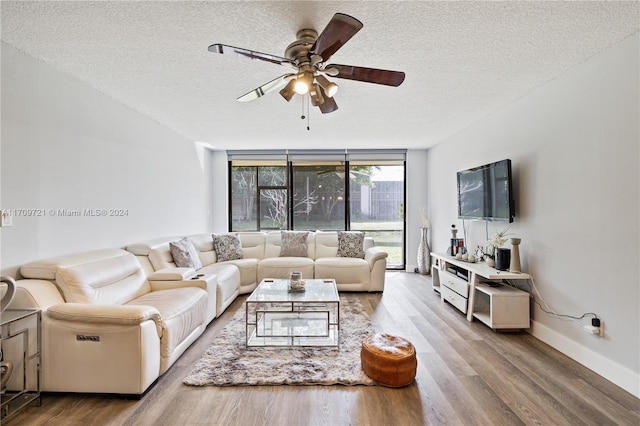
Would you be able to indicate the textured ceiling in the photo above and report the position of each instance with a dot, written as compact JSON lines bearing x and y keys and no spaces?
{"x":462,"y":61}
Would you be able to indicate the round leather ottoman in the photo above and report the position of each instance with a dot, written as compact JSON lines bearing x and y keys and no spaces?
{"x":389,"y":360}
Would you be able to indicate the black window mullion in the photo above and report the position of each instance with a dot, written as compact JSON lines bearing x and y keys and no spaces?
{"x":347,"y":196}
{"x":230,"y":196}
{"x":258,"y":215}
{"x":290,"y":223}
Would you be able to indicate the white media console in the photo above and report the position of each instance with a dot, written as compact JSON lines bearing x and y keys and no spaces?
{"x":477,"y":290}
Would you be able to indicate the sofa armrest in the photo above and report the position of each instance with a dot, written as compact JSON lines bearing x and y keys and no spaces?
{"x":36,"y":294}
{"x":373,"y":255}
{"x":106,"y":314}
{"x":171,"y":274}
{"x":378,"y":264}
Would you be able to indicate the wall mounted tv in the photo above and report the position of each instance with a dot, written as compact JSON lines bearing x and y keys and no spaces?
{"x":486,"y":193}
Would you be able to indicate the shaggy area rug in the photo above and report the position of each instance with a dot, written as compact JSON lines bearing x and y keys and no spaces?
{"x":228,"y":362}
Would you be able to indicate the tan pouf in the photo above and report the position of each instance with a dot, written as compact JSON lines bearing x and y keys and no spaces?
{"x":389,"y":360}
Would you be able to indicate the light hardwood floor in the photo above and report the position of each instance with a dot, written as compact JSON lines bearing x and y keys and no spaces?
{"x":467,"y":375}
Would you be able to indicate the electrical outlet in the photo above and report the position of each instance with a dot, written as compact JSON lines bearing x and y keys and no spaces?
{"x":598,"y":331}
{"x":6,"y":219}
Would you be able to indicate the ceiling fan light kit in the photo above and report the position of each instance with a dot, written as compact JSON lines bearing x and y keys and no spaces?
{"x":316,"y":95}
{"x":289,"y":90}
{"x":309,"y":55}
{"x":329,"y":87}
{"x":303,"y":83}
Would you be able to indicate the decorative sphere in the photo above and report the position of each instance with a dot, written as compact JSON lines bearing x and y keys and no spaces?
{"x":459,"y":256}
{"x":472,"y":258}
{"x":465,"y":256}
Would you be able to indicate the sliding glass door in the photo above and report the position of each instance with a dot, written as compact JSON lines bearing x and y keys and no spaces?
{"x":376,"y":205}
{"x":318,"y":194}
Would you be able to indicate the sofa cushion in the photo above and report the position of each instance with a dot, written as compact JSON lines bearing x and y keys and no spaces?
{"x":228,"y":277}
{"x":112,"y":279}
{"x":182,"y":310}
{"x":184,"y":254}
{"x":143,"y":248}
{"x":160,"y":257}
{"x":204,"y":246}
{"x":326,"y":244}
{"x":281,"y":267}
{"x":345,"y":270}
{"x":248,"y":270}
{"x":46,"y":269}
{"x":253,"y":244}
{"x":294,"y":244}
{"x":227,"y":247}
{"x":350,"y":244}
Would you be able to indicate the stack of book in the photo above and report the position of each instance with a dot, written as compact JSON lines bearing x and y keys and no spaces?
{"x":457,"y":246}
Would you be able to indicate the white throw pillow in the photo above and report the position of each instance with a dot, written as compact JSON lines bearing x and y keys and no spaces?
{"x":185,"y":254}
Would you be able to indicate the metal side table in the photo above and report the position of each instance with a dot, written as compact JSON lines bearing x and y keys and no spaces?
{"x":16,"y":336}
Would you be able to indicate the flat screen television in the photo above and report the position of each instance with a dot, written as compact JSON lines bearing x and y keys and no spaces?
{"x":486,"y":193}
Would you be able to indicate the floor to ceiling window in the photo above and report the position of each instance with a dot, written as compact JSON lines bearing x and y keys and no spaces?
{"x":321,"y":190}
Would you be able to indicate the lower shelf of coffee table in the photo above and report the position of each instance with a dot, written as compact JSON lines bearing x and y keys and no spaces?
{"x":300,"y":328}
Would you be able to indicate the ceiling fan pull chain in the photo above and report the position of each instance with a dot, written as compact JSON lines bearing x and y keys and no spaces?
{"x":308,"y":111}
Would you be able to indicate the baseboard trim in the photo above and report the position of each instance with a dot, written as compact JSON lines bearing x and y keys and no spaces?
{"x":610,"y":370}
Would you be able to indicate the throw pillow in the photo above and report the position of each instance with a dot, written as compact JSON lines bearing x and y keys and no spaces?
{"x":350,"y":244}
{"x":294,"y":244}
{"x":227,"y":247}
{"x":185,"y":254}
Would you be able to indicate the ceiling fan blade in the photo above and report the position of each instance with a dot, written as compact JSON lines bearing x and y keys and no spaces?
{"x":249,"y":54}
{"x":265,"y":88}
{"x":369,"y":75}
{"x":329,"y":104}
{"x":337,"y":32}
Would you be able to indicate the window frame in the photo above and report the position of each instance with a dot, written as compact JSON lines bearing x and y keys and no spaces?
{"x":257,"y":159}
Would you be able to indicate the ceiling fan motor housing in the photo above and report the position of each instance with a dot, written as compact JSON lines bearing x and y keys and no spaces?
{"x":298,"y":51}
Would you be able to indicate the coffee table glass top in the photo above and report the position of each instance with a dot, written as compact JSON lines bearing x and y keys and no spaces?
{"x":276,"y":290}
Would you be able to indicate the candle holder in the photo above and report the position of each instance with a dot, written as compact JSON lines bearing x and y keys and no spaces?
{"x":514,"y":265}
{"x":296,"y":283}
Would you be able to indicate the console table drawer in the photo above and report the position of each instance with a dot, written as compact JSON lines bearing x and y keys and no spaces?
{"x":454,"y":298}
{"x":456,"y":284}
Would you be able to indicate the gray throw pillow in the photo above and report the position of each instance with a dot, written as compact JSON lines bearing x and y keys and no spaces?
{"x":227,"y":247}
{"x":294,"y":244}
{"x":185,"y":254}
{"x":350,"y":244}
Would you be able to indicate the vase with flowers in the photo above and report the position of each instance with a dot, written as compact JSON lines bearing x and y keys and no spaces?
{"x":492,"y":245}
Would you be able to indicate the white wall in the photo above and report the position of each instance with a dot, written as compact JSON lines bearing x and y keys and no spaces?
{"x":574,"y":144}
{"x":67,"y":146}
{"x":416,"y":200}
{"x":219,"y":166}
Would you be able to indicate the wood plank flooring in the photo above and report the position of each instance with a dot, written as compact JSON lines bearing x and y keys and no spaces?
{"x":467,"y":375}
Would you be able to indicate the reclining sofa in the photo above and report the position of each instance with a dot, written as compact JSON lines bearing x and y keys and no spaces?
{"x":114,"y":320}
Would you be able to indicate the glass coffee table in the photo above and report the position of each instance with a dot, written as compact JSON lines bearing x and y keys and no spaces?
{"x":277,"y":317}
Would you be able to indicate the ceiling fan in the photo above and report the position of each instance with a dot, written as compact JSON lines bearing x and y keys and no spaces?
{"x":308,"y":56}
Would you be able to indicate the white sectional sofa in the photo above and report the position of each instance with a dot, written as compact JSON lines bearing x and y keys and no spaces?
{"x":105,"y":327}
{"x":262,"y":259}
{"x":114,"y":320}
